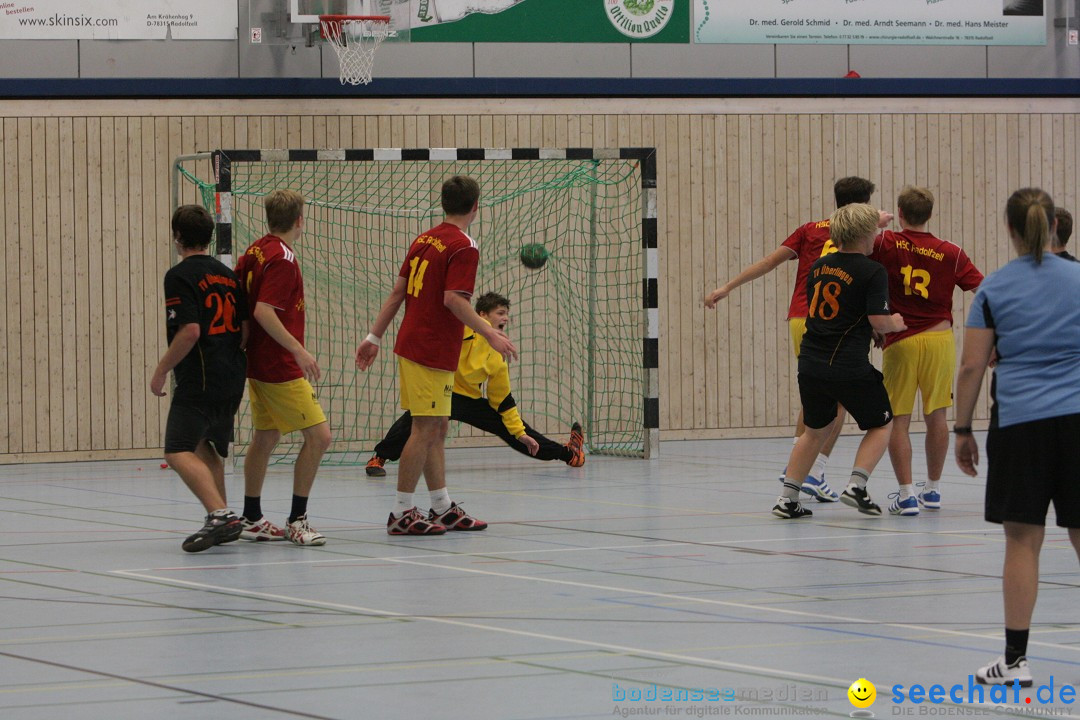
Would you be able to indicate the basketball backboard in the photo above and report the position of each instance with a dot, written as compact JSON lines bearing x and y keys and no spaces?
{"x":296,"y":22}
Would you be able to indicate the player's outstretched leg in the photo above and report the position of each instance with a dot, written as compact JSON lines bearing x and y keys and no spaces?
{"x":576,"y":445}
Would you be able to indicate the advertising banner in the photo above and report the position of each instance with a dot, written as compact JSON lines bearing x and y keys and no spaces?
{"x":659,"y":21}
{"x":117,"y":19}
{"x":861,"y":22}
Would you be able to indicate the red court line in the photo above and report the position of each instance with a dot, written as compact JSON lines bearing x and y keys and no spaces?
{"x":953,"y":545}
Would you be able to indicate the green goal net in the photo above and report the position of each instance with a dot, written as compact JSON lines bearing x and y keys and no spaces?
{"x":578,"y":322}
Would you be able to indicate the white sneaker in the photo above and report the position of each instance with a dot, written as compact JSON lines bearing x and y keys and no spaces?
{"x":300,"y":533}
{"x":903,"y":506}
{"x":261,"y":530}
{"x":998,"y":673}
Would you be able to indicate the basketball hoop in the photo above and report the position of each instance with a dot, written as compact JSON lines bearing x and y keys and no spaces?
{"x":355,"y":39}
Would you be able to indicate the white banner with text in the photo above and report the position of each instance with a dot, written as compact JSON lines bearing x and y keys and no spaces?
{"x":117,"y":19}
{"x":883,"y":22}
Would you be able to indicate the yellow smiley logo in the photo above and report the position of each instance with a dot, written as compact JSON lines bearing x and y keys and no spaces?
{"x":862,"y":693}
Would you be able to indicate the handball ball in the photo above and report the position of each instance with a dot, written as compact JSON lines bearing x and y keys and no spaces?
{"x":533,"y":256}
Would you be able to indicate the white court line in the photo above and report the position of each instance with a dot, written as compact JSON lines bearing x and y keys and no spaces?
{"x":623,"y":649}
{"x":491,"y":553}
{"x":811,"y":616}
{"x":808,"y":616}
{"x":611,"y":647}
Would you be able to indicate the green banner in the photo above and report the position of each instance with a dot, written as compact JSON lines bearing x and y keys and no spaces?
{"x":520,"y":21}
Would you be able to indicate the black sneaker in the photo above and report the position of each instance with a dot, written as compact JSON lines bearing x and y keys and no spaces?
{"x":859,"y":499}
{"x":789,"y":509}
{"x":218,"y":529}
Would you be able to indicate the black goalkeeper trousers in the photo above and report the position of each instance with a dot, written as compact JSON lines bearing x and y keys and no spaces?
{"x":478,"y":413}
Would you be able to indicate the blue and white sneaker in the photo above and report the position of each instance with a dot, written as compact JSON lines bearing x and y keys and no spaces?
{"x":906,"y":506}
{"x":930,"y":499}
{"x":819,"y":489}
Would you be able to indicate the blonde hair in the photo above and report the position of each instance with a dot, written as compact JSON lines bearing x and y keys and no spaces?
{"x":283,"y":209}
{"x":852,"y":223}
{"x":1030,"y":214}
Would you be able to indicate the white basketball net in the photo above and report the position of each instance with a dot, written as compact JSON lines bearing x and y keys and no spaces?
{"x":355,"y":42}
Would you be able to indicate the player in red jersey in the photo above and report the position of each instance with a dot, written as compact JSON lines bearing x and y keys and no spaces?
{"x":435,"y":283}
{"x":280,"y":370}
{"x":922,"y":271}
{"x":807,"y":244}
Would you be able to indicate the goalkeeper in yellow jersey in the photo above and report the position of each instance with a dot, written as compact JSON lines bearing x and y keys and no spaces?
{"x":496,"y":413}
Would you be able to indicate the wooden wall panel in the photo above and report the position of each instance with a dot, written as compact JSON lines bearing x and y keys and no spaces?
{"x":85,"y":196}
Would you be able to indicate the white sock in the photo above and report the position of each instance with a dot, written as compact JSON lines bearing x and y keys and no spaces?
{"x":819,"y":466}
{"x":932,"y":485}
{"x":905,"y":492}
{"x":223,"y":512}
{"x":440,"y":500}
{"x":859,"y":478}
{"x":404,"y":504}
{"x":790,"y":489}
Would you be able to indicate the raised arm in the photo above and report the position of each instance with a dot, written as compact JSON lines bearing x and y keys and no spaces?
{"x":751,"y":272}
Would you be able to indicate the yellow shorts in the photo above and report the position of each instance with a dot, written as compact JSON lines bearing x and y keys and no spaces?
{"x":425,"y":392}
{"x":797,"y":328}
{"x":285,"y":407}
{"x":926,"y":362}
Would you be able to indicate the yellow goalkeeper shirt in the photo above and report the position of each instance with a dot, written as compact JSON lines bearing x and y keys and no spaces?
{"x":479,"y":364}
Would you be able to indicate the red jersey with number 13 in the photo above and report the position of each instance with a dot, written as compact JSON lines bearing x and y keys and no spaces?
{"x":269,"y":273}
{"x":922,"y":270}
{"x":810,"y":243}
{"x":444,"y":258}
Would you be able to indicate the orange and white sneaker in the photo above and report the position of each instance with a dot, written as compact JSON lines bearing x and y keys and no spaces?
{"x":456,"y":519}
{"x":300,"y":533}
{"x":413,"y":522}
{"x":375,"y":467}
{"x":262,"y":530}
{"x":576,"y":446}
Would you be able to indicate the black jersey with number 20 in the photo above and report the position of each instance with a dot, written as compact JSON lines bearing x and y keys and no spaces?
{"x":842,"y":290}
{"x":202,"y":290}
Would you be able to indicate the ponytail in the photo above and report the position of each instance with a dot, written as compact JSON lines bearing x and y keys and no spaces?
{"x":1029,"y":213}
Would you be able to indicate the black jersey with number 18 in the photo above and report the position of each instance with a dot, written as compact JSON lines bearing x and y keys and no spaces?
{"x":202,"y":290}
{"x":842,"y":290}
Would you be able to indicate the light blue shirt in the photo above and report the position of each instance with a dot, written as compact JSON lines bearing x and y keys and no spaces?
{"x":1034,"y":311}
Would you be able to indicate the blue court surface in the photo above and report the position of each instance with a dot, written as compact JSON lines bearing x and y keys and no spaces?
{"x":626,"y":588}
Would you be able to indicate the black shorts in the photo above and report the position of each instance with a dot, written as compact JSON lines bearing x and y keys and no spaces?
{"x":192,"y":421}
{"x":864,"y":398}
{"x":1031,"y":465}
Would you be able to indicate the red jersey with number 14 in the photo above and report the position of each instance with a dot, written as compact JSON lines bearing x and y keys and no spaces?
{"x":269,"y":273}
{"x":923,"y":270}
{"x":442,"y":259}
{"x":809,"y":243}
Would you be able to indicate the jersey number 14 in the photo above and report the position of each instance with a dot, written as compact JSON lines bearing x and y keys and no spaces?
{"x":416,"y":276}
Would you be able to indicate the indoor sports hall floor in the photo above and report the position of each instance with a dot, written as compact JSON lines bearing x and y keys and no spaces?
{"x":623,"y":579}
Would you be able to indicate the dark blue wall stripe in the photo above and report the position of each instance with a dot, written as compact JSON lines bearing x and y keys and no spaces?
{"x":535,"y":87}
